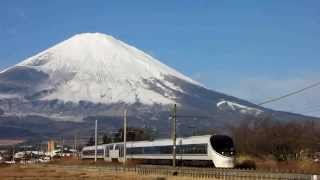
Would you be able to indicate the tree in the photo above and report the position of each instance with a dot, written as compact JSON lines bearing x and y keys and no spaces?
{"x":106,"y":139}
{"x":284,"y":140}
{"x":133,"y":134}
{"x":91,"y":142}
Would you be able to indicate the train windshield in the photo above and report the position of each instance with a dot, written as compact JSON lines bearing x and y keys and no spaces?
{"x":223,"y":145}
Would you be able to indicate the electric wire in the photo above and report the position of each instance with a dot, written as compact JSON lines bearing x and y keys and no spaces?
{"x":290,"y":94}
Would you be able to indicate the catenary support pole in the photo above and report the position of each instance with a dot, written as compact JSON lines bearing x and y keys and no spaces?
{"x":95,"y":141}
{"x":174,"y":135}
{"x":125,"y":137}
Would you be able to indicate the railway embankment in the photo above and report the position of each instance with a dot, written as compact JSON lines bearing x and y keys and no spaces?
{"x":113,"y":171}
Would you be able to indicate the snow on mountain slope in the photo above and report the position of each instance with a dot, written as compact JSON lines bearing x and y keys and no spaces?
{"x":98,"y":68}
{"x":227,"y":105}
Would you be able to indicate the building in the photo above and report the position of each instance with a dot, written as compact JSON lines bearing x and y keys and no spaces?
{"x":51,"y":146}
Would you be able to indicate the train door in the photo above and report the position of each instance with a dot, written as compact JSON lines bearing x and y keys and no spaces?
{"x":114,"y":153}
{"x":107,"y":152}
{"x":120,"y":149}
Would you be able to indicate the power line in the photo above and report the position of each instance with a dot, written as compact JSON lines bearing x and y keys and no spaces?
{"x":290,"y":94}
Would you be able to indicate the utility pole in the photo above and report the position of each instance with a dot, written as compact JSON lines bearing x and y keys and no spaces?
{"x":174,"y":135}
{"x":13,"y":149}
{"x":62,"y":147}
{"x":95,"y":141}
{"x":125,"y":137}
{"x":75,"y":145}
{"x":74,"y":141}
{"x":24,"y":154}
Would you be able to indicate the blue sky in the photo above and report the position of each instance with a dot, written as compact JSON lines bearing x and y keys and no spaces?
{"x":251,"y":49}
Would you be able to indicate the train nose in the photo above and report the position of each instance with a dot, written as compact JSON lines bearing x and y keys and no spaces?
{"x":225,"y":163}
{"x":229,"y":163}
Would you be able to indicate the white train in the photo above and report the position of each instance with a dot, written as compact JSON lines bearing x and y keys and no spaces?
{"x":217,"y":150}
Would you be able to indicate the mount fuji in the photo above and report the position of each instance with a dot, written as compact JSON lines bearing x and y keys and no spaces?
{"x":100,"y":69}
{"x":95,"y":76}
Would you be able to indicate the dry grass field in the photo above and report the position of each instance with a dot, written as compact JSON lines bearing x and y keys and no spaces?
{"x":30,"y":172}
{"x":72,"y":169}
{"x":268,"y":164}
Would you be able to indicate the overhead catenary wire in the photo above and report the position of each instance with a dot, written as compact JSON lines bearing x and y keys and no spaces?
{"x":289,"y":94}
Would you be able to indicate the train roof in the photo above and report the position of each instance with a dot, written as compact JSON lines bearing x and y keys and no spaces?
{"x":93,"y":147}
{"x":178,"y":138}
{"x":160,"y":142}
{"x":180,"y":141}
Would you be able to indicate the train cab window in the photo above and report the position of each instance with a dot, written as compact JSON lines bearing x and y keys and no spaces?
{"x":223,"y":145}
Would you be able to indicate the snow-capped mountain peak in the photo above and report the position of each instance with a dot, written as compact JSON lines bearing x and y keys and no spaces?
{"x":99,"y":68}
{"x":95,"y":51}
{"x":228,"y":105}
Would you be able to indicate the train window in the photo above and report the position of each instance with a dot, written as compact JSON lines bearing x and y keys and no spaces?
{"x":92,"y":152}
{"x":85,"y":153}
{"x":166,"y":149}
{"x":88,"y":152}
{"x":192,"y":149}
{"x":152,"y":150}
{"x":135,"y":150}
{"x":223,"y":145}
{"x":100,"y":152}
{"x":182,"y":149}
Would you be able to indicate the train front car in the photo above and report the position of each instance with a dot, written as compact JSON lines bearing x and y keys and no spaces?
{"x":222,"y":151}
